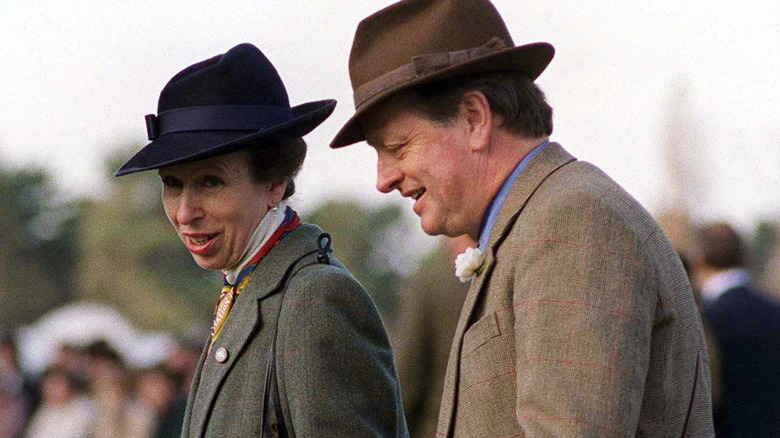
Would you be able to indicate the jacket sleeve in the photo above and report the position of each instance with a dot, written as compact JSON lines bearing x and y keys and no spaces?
{"x":337,"y":376}
{"x":583,"y":321}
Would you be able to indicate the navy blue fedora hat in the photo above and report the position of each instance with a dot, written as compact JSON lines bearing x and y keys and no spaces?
{"x":222,"y":105}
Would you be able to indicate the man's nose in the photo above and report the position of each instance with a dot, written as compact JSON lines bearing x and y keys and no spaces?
{"x":388,"y":176}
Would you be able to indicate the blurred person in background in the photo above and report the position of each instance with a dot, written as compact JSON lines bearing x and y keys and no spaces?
{"x":102,"y":361}
{"x":771,"y":272}
{"x":746,"y":326}
{"x":580,"y":320}
{"x":297,"y":347}
{"x":74,"y":360}
{"x":110,"y":381}
{"x":15,"y":393}
{"x":430,"y":304}
{"x":110,"y":396}
{"x":64,"y":411}
{"x":157,"y":410}
{"x":180,"y":366}
{"x":182,"y":362}
{"x":13,"y":408}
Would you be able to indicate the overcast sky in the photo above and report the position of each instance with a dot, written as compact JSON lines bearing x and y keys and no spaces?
{"x":77,"y":77}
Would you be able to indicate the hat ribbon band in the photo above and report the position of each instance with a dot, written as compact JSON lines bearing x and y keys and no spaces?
{"x":217,"y":118}
{"x":424,"y":65}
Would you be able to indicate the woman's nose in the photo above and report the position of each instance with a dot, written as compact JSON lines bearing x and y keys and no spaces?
{"x":189,"y":208}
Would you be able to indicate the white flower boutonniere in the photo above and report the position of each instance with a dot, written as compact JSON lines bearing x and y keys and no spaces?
{"x":468,"y":264}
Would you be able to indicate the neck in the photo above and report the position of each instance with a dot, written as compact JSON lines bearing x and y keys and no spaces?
{"x":261,"y":234}
{"x":505,"y":152}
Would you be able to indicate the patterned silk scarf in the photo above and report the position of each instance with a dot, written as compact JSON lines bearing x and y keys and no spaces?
{"x":230,"y":292}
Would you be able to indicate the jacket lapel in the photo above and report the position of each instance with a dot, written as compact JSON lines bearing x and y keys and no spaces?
{"x":244,"y":321}
{"x":193,"y":390}
{"x":547,"y":161}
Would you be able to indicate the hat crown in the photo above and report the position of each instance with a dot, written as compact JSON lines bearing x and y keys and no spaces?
{"x":416,"y":41}
{"x":242,"y":76}
{"x":393,"y":36}
{"x":222,"y":105}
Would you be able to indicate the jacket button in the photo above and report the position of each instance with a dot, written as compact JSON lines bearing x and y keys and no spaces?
{"x":221,"y":355}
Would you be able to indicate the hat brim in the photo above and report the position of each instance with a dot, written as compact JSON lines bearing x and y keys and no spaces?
{"x":529,"y":60}
{"x":182,"y":147}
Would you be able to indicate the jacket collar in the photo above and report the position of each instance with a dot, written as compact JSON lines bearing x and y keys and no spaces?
{"x":549,"y":159}
{"x":268,"y":276}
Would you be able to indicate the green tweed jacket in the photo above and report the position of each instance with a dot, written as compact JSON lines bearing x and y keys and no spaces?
{"x":334,"y":364}
{"x":582,"y":321}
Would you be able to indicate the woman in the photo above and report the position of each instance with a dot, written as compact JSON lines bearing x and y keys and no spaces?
{"x":297,"y":347}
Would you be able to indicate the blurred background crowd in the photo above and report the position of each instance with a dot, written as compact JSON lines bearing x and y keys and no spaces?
{"x":90,"y":391}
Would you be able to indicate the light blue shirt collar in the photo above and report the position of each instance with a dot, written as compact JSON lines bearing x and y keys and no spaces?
{"x":495,"y":205}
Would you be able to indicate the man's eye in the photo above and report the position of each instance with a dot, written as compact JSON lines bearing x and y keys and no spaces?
{"x":395,"y":149}
{"x":212,"y":181}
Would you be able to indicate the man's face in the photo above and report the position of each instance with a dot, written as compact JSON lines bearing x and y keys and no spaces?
{"x":430,"y":162}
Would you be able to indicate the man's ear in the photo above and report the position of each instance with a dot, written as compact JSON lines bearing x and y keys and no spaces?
{"x":476,"y":112}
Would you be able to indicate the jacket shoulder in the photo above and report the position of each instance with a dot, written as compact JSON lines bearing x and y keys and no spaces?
{"x":581,"y":197}
{"x":313,"y":277}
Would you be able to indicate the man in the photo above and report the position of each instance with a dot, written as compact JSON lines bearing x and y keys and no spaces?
{"x":746,"y":325}
{"x":580,"y":319}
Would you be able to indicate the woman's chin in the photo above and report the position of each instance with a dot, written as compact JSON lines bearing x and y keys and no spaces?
{"x":209,"y":263}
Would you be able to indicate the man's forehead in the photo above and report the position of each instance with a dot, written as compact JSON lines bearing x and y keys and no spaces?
{"x":381,"y":124}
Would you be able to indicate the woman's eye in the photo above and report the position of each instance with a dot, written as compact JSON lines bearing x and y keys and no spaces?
{"x":212,"y":181}
{"x":169,"y":181}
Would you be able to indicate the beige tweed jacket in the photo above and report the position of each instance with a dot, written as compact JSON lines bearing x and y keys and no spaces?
{"x":581,"y":322}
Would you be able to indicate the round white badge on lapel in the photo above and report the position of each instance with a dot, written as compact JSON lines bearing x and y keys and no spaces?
{"x":221,"y":355}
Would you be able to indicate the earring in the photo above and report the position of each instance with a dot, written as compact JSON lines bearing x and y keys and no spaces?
{"x":274,"y":206}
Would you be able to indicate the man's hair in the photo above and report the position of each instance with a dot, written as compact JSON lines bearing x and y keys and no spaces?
{"x":279,"y":160}
{"x":517,"y":100}
{"x":721,"y":246}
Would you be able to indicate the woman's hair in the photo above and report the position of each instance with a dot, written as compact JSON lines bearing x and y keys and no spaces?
{"x":516,"y":99}
{"x":277,"y":161}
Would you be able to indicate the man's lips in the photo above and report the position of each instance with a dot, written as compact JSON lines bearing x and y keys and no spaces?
{"x":417,"y":196}
{"x":199,"y":243}
{"x":414,"y":194}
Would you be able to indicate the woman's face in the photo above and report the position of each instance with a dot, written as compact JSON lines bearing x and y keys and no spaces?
{"x":215,"y":204}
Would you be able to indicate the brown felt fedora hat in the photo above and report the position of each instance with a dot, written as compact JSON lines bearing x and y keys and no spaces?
{"x":417,"y":41}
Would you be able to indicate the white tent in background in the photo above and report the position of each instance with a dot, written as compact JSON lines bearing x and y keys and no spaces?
{"x":80,"y":324}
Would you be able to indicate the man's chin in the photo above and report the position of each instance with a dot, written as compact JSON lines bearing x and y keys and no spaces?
{"x":441,"y":228}
{"x":432,"y":228}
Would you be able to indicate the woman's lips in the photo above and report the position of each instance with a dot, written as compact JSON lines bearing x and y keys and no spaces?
{"x":199,"y":244}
